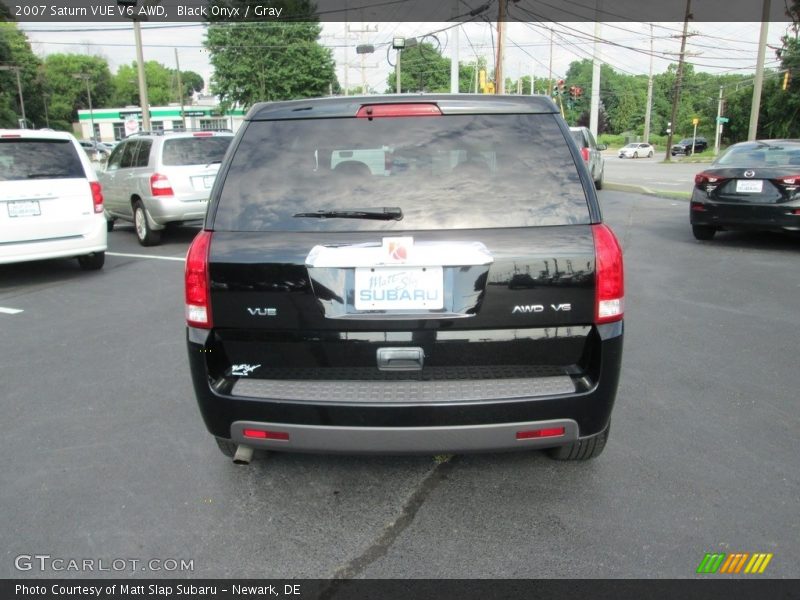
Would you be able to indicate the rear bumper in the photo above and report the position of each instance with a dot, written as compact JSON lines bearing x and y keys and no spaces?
{"x":777,"y":217}
{"x":423,"y":425}
{"x":404,"y":440}
{"x":171,"y":209}
{"x":95,"y":240}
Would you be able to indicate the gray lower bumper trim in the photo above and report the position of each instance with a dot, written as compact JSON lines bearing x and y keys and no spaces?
{"x":404,"y":440}
{"x":403,"y":392}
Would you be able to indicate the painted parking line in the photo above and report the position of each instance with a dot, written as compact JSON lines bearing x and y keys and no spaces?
{"x":127,"y":255}
{"x":10,"y":311}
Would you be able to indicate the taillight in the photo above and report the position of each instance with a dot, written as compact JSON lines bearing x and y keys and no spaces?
{"x":203,"y":134}
{"x":414,"y":109}
{"x":708,"y":181}
{"x":609,"y":277}
{"x":585,"y":154}
{"x":196,"y":282}
{"x":160,"y":186}
{"x":789,"y":179}
{"x":97,"y":196}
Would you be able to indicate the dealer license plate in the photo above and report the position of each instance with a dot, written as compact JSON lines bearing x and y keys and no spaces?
{"x":399,"y":288}
{"x":749,"y":186}
{"x":24,"y":208}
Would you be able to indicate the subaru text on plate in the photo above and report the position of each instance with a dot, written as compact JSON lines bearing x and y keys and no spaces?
{"x":405,"y":274}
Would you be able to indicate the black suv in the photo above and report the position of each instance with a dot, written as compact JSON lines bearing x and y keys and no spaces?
{"x":685,"y":146}
{"x":405,"y":274}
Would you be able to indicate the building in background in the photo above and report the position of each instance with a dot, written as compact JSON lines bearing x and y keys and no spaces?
{"x":113,"y":124}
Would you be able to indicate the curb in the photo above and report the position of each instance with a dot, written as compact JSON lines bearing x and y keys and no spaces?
{"x":640,"y":189}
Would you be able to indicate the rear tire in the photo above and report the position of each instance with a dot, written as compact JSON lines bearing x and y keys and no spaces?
{"x":144,"y":233}
{"x":582,"y":449}
{"x":93,"y":261}
{"x":227,"y":447}
{"x":650,"y":154}
{"x":703,"y":232}
{"x":110,"y":225}
{"x":598,"y":185}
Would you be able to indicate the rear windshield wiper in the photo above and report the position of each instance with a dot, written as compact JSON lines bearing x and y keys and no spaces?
{"x":384,"y":213}
{"x":45,"y":175}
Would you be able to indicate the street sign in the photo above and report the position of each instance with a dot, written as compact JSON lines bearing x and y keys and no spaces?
{"x":695,"y":121}
{"x":722,"y":119}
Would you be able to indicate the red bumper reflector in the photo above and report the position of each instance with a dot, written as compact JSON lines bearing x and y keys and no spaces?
{"x":697,"y":207}
{"x":266,"y":435}
{"x":540,"y":433}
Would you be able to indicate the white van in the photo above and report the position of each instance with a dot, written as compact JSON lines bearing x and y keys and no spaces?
{"x":51,"y":204}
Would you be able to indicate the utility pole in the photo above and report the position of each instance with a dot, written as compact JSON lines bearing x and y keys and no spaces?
{"x":550,"y":83}
{"x":362,"y":44}
{"x":454,"y":54}
{"x":86,"y":77}
{"x":19,"y":89}
{"x":649,"y":107}
{"x":143,"y":101}
{"x":533,"y":79}
{"x":594,"y":110}
{"x":718,"y":131}
{"x":759,"y":80}
{"x":180,"y":88}
{"x":499,"y":77}
{"x":676,"y":90}
{"x":397,"y":70}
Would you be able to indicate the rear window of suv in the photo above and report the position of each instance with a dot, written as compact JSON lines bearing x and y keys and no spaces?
{"x":196,"y":150}
{"x":27,"y":158}
{"x":454,"y":172}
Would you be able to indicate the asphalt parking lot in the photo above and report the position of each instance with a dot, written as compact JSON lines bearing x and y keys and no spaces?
{"x":106,"y":456}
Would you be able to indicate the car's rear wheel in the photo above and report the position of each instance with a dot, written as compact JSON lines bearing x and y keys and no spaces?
{"x":598,"y":185}
{"x":93,"y":261}
{"x":703,"y":232}
{"x":584,"y":449}
{"x":110,"y":225}
{"x":650,"y":154}
{"x":146,"y":235}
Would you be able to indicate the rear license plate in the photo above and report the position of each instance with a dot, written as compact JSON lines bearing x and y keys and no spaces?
{"x":749,"y":186}
{"x":399,"y":288}
{"x":24,"y":208}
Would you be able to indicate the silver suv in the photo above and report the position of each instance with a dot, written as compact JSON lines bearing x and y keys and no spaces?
{"x":591,"y":152}
{"x":158,"y":178}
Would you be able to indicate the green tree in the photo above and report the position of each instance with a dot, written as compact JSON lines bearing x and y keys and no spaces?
{"x":162,"y":84}
{"x":66,"y":91}
{"x":422,"y":69}
{"x":265,"y":60}
{"x":15,"y":50}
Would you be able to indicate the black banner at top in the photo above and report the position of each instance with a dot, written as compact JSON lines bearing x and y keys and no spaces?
{"x":162,"y":11}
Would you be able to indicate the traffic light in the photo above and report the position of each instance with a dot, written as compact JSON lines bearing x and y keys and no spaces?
{"x":572,"y":90}
{"x":578,"y":92}
{"x":560,"y":87}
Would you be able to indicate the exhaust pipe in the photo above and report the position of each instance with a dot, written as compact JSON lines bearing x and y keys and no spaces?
{"x":243,"y":456}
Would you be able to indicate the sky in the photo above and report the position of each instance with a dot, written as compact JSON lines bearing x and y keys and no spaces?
{"x":713,"y":47}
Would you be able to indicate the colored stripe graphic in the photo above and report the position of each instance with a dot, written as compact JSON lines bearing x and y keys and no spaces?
{"x":758,"y":563}
{"x":734,"y":563}
{"x":710,"y":563}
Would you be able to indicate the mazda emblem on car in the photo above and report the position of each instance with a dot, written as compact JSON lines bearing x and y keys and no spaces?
{"x":749,"y":173}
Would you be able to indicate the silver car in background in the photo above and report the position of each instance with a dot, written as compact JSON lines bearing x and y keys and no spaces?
{"x":159,"y":178}
{"x":591,"y":152}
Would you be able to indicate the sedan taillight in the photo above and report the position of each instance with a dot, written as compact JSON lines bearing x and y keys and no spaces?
{"x":708,"y":181}
{"x":585,"y":154}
